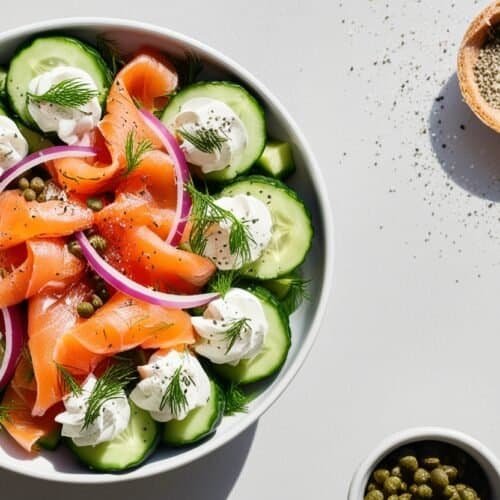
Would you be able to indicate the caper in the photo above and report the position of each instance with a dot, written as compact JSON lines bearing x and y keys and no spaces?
{"x":75,"y":248}
{"x":460,"y":487}
{"x":103,"y":293}
{"x":409,"y":463}
{"x":94,"y":204}
{"x":380,"y":475}
{"x":413,"y":489}
{"x":455,"y":496}
{"x":396,"y":471}
{"x":96,"y":301}
{"x":449,"y":491}
{"x":451,"y":472}
{"x":41,"y":198}
{"x":424,"y":491}
{"x":29,"y":194}
{"x":392,"y":485}
{"x":404,"y":486}
{"x":421,"y":476}
{"x":37,"y":184}
{"x":371,"y":487}
{"x":431,"y":462}
{"x":23,"y":183}
{"x":467,"y":494}
{"x":98,"y":242}
{"x":85,"y":309}
{"x":405,"y":496}
{"x":439,"y":478}
{"x":374,"y":495}
{"x":393,"y":497}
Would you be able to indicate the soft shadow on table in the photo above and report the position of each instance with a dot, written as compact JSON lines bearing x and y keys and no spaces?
{"x":468,"y":151}
{"x":209,"y":478}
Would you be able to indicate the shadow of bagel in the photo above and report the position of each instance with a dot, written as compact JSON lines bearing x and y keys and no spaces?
{"x":467,"y":150}
{"x":210,"y":478}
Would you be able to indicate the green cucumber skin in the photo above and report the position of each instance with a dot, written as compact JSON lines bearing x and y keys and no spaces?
{"x":231,"y":373}
{"x":51,"y":441}
{"x":3,"y":83}
{"x":285,"y":170}
{"x":275,"y":183}
{"x":212,"y":426}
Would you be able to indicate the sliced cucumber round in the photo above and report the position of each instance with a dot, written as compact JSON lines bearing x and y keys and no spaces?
{"x":45,"y":53}
{"x":3,"y":83}
{"x":244,"y":105}
{"x":199,"y":423}
{"x":292,"y":230}
{"x":274,"y":351}
{"x":130,"y":449}
{"x":277,"y":159}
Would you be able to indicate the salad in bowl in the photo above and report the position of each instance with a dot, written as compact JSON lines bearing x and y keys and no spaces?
{"x":150,"y":250}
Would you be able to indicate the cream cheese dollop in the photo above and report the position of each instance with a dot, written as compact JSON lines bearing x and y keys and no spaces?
{"x":13,"y":145}
{"x":180,"y":367}
{"x":205,"y":114}
{"x":220,"y":315}
{"x":257,"y":218}
{"x":112,"y":420}
{"x":72,"y":125}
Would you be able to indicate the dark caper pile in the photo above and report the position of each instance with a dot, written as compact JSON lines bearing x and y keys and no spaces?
{"x":425,"y":474}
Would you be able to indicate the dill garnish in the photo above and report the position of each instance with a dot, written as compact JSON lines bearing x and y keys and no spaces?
{"x":135,"y":151}
{"x":236,"y":401}
{"x":206,"y":140}
{"x":67,"y":382}
{"x":223,"y":281}
{"x":69,"y":93}
{"x":297,"y":293}
{"x":235,"y":329}
{"x":174,"y":395}
{"x":110,"y":52}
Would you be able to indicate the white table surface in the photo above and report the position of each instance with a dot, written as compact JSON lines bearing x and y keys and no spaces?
{"x":412,"y":335}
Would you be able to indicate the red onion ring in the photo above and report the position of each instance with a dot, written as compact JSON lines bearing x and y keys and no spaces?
{"x":129,"y":287}
{"x":14,"y":341}
{"x":182,"y":176}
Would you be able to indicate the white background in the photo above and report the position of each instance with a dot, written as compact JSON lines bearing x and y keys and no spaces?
{"x":412,"y":334}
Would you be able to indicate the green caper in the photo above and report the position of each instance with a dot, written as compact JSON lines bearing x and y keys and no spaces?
{"x":460,"y":487}
{"x":404,"y":487}
{"x":42,"y":197}
{"x":94,"y":204}
{"x":98,"y":242}
{"x":396,"y":471}
{"x":413,"y":489}
{"x":449,"y":491}
{"x":451,"y":472}
{"x":37,"y":184}
{"x":380,"y":475}
{"x":467,"y":494}
{"x":405,"y":496}
{"x":431,"y":462}
{"x":393,"y":497}
{"x":421,"y":476}
{"x":103,"y":293}
{"x":75,"y":248}
{"x":374,"y":495}
{"x":455,"y":496}
{"x":23,"y":183}
{"x":409,"y":463}
{"x":96,"y":301}
{"x":439,"y":478}
{"x":85,"y":309}
{"x":371,"y":487}
{"x":392,"y":485}
{"x":29,"y":194}
{"x":424,"y":491}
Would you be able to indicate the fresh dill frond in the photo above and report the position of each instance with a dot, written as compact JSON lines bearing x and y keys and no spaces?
{"x":135,"y":151}
{"x":297,"y":293}
{"x":109,"y":386}
{"x":188,"y":68}
{"x":174,"y":395}
{"x":236,"y":401}
{"x":234,"y":331}
{"x":204,"y":213}
{"x":110,"y":52}
{"x":67,"y":382}
{"x":69,"y":93}
{"x":223,"y":281}
{"x":207,"y":140}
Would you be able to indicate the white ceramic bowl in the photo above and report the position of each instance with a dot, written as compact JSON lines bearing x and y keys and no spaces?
{"x":131,"y":35}
{"x":483,"y":456}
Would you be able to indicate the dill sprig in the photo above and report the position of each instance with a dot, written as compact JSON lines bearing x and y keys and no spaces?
{"x":109,"y":386}
{"x":69,"y":93}
{"x":174,"y":395}
{"x":188,"y":68}
{"x":297,"y":293}
{"x":67,"y":382}
{"x":135,"y":151}
{"x":223,"y":281}
{"x":234,"y":331}
{"x":207,"y":140}
{"x":205,"y":212}
{"x":236,"y":401}
{"x":110,"y":52}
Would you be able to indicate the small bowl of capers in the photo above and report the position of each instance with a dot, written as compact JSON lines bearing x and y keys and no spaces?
{"x":428,"y":463}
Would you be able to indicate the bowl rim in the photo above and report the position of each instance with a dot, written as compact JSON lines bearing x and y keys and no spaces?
{"x":325,"y":213}
{"x":407,"y":436}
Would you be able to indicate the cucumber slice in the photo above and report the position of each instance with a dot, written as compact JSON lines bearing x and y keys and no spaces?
{"x":199,"y":423}
{"x":44,"y":53}
{"x":275,"y":348}
{"x":35,"y":140}
{"x":244,"y":105}
{"x":277,"y":159}
{"x":130,"y":449}
{"x":50,"y":441}
{"x":290,"y":291}
{"x":292,"y":226}
{"x":3,"y":83}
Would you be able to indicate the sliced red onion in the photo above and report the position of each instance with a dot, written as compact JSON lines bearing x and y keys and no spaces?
{"x":129,"y":287}
{"x":42,"y":156}
{"x":14,"y":340}
{"x":182,"y":176}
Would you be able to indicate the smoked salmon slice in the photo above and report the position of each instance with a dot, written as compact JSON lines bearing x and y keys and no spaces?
{"x":47,"y":264}
{"x":22,"y":220}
